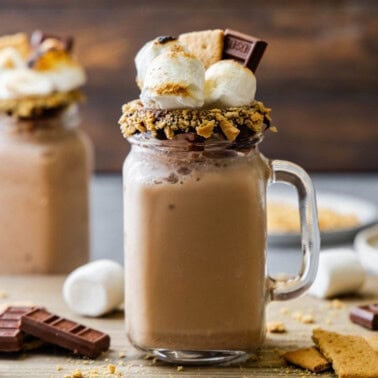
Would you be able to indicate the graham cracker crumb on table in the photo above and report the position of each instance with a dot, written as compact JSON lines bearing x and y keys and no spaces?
{"x":303,"y":318}
{"x":284,"y":311}
{"x":276,"y":327}
{"x":336,"y":303}
{"x":307,"y":319}
{"x":111,"y":368}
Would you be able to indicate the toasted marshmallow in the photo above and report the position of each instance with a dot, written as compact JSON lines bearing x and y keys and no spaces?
{"x":175,"y":79}
{"x":50,"y":69}
{"x":11,"y":58}
{"x":23,"y":82}
{"x":228,"y":83}
{"x":149,"y":52}
{"x":65,"y":78}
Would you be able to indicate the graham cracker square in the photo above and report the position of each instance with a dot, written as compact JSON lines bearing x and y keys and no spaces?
{"x":206,"y":45}
{"x":351,"y":356}
{"x":308,"y":358}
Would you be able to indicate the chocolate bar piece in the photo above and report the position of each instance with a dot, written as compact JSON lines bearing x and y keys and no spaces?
{"x":11,"y":337}
{"x":366,"y":316}
{"x":244,"y":48}
{"x":65,"y":333}
{"x":38,"y":37}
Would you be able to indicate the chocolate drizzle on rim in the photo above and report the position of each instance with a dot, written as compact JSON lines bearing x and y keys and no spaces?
{"x":232,"y":123}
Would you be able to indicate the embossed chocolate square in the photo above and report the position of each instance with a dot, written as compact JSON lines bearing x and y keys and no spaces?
{"x":11,"y":337}
{"x":366,"y":316}
{"x":244,"y":48}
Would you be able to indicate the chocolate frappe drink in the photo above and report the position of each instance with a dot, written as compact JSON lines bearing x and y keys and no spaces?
{"x":45,"y":160}
{"x":195,"y":201}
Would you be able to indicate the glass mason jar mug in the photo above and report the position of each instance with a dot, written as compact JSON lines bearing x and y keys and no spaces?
{"x":195,"y":246}
{"x":44,"y":194}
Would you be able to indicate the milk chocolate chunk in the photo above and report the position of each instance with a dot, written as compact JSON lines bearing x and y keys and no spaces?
{"x":165,"y":39}
{"x":65,"y":333}
{"x":366,"y":316}
{"x":11,"y":337}
{"x":244,"y":48}
{"x":38,"y":37}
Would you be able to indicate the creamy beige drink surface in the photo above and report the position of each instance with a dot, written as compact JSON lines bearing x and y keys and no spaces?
{"x":195,"y":253}
{"x":45,"y":160}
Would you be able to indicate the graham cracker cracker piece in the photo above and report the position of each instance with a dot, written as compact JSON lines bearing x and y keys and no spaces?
{"x":373,"y":342}
{"x":308,"y":358}
{"x":206,"y":45}
{"x":351,"y":356}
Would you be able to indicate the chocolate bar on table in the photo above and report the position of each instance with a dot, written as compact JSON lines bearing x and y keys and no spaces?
{"x":66,"y":333}
{"x":11,"y":337}
{"x":366,"y":316}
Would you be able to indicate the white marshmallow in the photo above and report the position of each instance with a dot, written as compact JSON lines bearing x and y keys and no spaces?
{"x":21,"y":82}
{"x":340,"y":272}
{"x":229,"y":83}
{"x":11,"y":56}
{"x":174,"y":80}
{"x":64,"y":78}
{"x":150,"y":51}
{"x":95,"y":288}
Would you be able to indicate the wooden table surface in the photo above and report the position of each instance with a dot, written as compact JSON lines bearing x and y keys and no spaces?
{"x":55,"y":362}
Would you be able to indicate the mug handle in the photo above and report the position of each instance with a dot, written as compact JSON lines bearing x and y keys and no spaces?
{"x":291,"y":174}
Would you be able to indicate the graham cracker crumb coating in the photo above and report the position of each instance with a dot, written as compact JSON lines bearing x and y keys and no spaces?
{"x":204,"y":122}
{"x":33,"y":106}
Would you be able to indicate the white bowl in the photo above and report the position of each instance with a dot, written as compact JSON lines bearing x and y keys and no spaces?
{"x":366,"y":245}
{"x":366,"y":212}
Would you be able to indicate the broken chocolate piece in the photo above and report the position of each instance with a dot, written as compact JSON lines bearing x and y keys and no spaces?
{"x":65,"y":333}
{"x":366,"y":316}
{"x":38,"y":37}
{"x":165,"y":39}
{"x":244,"y":48}
{"x":11,"y":337}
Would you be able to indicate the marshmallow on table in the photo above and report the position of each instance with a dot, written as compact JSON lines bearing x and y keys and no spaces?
{"x":95,"y":288}
{"x":229,"y":83}
{"x":340,"y":272}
